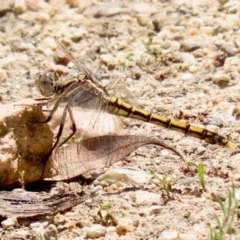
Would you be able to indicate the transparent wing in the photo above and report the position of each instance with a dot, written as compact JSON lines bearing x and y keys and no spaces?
{"x":79,"y":64}
{"x":87,"y":114}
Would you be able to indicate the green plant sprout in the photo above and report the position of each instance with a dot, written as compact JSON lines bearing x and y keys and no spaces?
{"x":230,"y":210}
{"x":129,"y":58}
{"x":200,"y":170}
{"x":165,"y":183}
{"x":106,"y":215}
{"x":149,"y":41}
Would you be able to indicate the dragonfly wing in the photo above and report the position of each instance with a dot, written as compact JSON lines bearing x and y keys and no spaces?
{"x":79,"y":64}
{"x":91,"y":122}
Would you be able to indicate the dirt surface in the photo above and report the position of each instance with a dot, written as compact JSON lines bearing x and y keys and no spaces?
{"x":177,"y":58}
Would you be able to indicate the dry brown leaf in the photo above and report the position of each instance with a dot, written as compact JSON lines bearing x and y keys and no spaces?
{"x":99,"y":152}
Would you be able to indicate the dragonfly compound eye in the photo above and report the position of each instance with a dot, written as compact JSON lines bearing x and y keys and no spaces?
{"x":47,"y":82}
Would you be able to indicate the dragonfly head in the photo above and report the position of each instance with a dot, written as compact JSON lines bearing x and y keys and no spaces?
{"x":47,"y":83}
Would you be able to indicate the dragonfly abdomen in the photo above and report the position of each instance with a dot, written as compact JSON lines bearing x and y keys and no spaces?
{"x":119,"y":107}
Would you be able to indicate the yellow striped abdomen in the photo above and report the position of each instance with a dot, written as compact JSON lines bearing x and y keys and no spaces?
{"x":119,"y":107}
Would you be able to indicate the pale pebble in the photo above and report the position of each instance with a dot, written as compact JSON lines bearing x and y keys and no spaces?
{"x":49,"y":42}
{"x":124,"y":226}
{"x":190,"y":45}
{"x":231,"y":63}
{"x":123,"y":175}
{"x":145,"y":198}
{"x":236,"y":110}
{"x":144,"y":8}
{"x":42,"y":17}
{"x":167,"y":235}
{"x":10,"y":222}
{"x":3,"y":75}
{"x":155,"y":210}
{"x":108,"y":10}
{"x":229,"y":48}
{"x":83,"y":4}
{"x":142,"y":19}
{"x":60,"y":58}
{"x":193,"y":69}
{"x":78,"y":34}
{"x":222,"y":80}
{"x":74,"y":3}
{"x":39,"y":227}
{"x":207,"y":30}
{"x":50,"y":232}
{"x":95,"y":231}
{"x":20,"y":6}
{"x":109,"y":60}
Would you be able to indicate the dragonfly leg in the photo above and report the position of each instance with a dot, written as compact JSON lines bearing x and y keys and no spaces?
{"x":60,"y":130}
{"x":74,"y":128}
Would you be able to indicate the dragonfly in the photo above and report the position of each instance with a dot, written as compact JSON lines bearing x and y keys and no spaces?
{"x":87,"y":91}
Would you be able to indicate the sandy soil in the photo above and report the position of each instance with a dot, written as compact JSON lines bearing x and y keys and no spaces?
{"x":177,"y":58}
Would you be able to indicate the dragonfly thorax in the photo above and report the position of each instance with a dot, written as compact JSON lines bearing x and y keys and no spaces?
{"x":48,"y":83}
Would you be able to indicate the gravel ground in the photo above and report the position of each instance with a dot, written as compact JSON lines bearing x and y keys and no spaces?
{"x":178,"y":58}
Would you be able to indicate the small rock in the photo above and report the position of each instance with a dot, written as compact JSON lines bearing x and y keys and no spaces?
{"x":3,"y":75}
{"x":200,"y":150}
{"x":23,"y":46}
{"x":124,"y":176}
{"x":110,"y":9}
{"x":60,"y":69}
{"x":74,"y":3}
{"x":223,"y":106}
{"x":219,"y":59}
{"x":39,"y":227}
{"x":142,"y":19}
{"x":175,"y":29}
{"x":50,"y":232}
{"x":190,"y":45}
{"x":159,"y":22}
{"x":186,"y":214}
{"x":231,"y":64}
{"x":233,"y":9}
{"x":144,"y":197}
{"x":222,"y":80}
{"x":49,"y":42}
{"x":193,"y":69}
{"x":222,"y":1}
{"x":187,"y":76}
{"x":59,"y":219}
{"x":60,"y":58}
{"x":167,"y":235}
{"x":19,"y":6}
{"x":155,"y":210}
{"x":229,"y":48}
{"x":83,"y":5}
{"x":235,"y":161}
{"x":124,"y":226}
{"x":236,"y":110}
{"x":21,"y":234}
{"x":96,"y":231}
{"x":208,"y":30}
{"x":10,"y":222}
{"x":109,"y":60}
{"x":43,"y":17}
{"x":187,"y":142}
{"x":78,"y":35}
{"x":236,"y":176}
{"x":216,"y":121}
{"x":144,"y":8}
